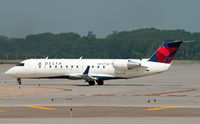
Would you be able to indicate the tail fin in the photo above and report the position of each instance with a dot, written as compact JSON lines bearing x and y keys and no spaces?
{"x":166,"y":52}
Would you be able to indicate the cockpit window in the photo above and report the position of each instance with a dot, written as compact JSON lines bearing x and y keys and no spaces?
{"x":20,"y":64}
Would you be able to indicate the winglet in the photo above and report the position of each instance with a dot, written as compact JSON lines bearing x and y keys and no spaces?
{"x":86,"y":70}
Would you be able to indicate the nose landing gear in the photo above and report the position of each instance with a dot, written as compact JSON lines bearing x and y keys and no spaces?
{"x":19,"y":81}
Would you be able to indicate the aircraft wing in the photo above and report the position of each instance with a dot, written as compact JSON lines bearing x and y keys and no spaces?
{"x":84,"y":75}
{"x":91,"y":77}
{"x":88,"y":78}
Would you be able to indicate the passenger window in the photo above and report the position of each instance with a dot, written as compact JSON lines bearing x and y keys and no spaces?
{"x":103,"y":66}
{"x":50,"y":66}
{"x":97,"y":66}
{"x":77,"y":66}
{"x":56,"y":66}
{"x":66,"y":66}
{"x":39,"y":66}
{"x":92,"y":66}
{"x":61,"y":66}
{"x":72,"y":66}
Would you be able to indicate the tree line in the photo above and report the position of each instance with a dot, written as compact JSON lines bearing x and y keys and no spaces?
{"x":140,"y":43}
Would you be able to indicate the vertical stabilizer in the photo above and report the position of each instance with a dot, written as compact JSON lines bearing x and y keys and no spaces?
{"x":166,"y":52}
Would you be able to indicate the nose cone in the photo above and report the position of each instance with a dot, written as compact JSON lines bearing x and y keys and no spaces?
{"x":10,"y":72}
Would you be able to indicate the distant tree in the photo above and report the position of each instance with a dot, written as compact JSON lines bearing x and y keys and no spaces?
{"x":141,"y":43}
{"x":3,"y":38}
{"x":91,"y":34}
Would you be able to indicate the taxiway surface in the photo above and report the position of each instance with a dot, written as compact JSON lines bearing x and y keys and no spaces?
{"x":175,"y":93}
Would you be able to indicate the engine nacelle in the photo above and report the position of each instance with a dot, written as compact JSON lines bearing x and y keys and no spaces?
{"x":125,"y":64}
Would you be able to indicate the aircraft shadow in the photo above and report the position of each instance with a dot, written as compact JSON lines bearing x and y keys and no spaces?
{"x":86,"y":85}
{"x":123,"y":85}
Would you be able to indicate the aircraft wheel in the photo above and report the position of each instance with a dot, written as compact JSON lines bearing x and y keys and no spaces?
{"x":100,"y":82}
{"x":91,"y":83}
{"x":19,"y":81}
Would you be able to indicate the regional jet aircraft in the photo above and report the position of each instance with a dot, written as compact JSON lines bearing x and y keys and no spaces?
{"x":96,"y":70}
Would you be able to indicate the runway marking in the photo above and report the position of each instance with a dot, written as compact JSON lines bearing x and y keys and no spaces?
{"x":154,"y":109}
{"x":39,"y":107}
{"x":181,"y":91}
{"x":179,"y":95}
{"x":151,"y":116}
{"x":102,"y":95}
{"x":2,"y":111}
{"x":171,"y":93}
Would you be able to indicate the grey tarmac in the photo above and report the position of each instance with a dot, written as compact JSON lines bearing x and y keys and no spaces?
{"x":173,"y":94}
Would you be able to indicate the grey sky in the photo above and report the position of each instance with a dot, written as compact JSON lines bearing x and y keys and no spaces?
{"x":19,"y":18}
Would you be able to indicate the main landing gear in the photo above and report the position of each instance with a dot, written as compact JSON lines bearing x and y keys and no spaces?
{"x":99,"y":82}
{"x":19,"y":81}
{"x":91,"y":83}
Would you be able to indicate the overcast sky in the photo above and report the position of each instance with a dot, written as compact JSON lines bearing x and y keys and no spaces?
{"x":19,"y":18}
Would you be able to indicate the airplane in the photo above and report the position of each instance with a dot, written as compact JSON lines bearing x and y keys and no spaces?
{"x":96,"y":70}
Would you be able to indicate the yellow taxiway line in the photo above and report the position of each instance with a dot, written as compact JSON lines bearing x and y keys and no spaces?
{"x":2,"y":111}
{"x":153,"y":109}
{"x":39,"y":107}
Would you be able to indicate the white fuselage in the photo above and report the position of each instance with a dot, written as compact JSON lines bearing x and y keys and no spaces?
{"x":103,"y":69}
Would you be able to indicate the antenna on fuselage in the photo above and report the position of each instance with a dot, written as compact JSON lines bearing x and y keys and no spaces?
{"x":81,"y":57}
{"x":47,"y":57}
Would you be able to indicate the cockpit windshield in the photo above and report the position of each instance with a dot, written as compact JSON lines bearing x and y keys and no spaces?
{"x":20,"y":64}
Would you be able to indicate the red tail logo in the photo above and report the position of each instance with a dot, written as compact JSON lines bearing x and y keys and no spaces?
{"x":166,"y":52}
